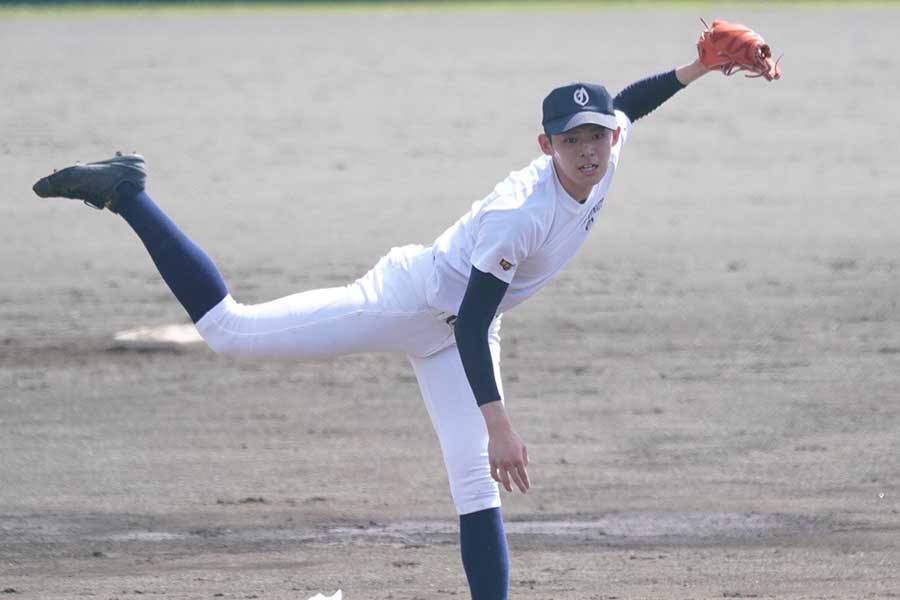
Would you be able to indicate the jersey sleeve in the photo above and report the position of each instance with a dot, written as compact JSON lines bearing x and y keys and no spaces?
{"x":504,"y":239}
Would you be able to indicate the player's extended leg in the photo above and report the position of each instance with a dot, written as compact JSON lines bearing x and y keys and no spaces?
{"x":463,"y":436}
{"x":359,"y":317}
{"x":118,"y":185}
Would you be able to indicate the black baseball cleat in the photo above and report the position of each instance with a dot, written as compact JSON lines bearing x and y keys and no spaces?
{"x":95,"y":183}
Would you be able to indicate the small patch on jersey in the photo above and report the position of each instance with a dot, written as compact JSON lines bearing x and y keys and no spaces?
{"x":505,"y":264}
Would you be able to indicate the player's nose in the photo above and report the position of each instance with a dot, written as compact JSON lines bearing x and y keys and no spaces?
{"x":588,"y":150}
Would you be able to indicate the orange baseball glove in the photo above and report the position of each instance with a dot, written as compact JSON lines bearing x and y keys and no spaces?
{"x":732,"y":47}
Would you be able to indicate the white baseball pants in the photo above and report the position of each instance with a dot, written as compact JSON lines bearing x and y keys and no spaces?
{"x":383,"y":311}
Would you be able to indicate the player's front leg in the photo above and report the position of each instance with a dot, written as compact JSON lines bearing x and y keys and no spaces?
{"x":463,"y":435}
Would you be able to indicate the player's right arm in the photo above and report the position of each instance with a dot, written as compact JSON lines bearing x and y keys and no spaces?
{"x":506,"y":452}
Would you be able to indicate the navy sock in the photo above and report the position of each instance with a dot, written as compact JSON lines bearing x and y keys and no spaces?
{"x":485,"y":558}
{"x":185,"y":267}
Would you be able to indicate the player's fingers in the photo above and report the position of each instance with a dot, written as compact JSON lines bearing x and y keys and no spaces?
{"x":517,"y":478}
{"x":495,"y":475}
{"x":504,"y":479}
{"x":525,"y":455}
{"x":523,"y":476}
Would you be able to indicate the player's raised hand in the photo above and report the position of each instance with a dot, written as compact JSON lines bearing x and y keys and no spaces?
{"x":732,"y":47}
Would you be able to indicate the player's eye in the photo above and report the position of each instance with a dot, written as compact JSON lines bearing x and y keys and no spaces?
{"x":570,"y":140}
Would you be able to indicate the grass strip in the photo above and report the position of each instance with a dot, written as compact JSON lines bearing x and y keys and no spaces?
{"x":164,"y":7}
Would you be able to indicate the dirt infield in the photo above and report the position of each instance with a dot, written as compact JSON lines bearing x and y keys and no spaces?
{"x":709,"y":392}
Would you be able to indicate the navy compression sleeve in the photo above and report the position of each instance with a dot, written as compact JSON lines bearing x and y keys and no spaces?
{"x":643,"y":97}
{"x":478,"y":308}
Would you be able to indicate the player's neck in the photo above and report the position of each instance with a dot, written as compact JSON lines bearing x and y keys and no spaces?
{"x":578,"y":193}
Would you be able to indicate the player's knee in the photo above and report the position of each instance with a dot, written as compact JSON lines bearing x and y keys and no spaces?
{"x":221,"y":345}
{"x":471,"y":484}
{"x":230,"y":330}
{"x":222,"y":341}
{"x":475,"y":496}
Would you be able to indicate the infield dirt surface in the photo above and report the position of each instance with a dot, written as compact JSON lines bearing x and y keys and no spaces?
{"x":709,"y":392}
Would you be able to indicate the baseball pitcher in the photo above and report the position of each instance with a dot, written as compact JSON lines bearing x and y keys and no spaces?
{"x":440,"y":304}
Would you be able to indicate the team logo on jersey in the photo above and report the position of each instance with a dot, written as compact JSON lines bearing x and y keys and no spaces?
{"x":581,"y":97}
{"x":505,"y":264}
{"x":592,"y":216}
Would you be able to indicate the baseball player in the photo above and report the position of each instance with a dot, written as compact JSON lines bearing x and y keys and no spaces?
{"x":440,"y":305}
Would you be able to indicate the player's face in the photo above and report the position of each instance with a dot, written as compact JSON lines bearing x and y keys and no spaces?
{"x":581,"y":157}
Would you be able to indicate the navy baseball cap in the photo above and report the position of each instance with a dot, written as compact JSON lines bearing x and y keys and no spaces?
{"x":577,"y":104}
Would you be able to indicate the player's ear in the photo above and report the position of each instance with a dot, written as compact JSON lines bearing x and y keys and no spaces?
{"x":545,"y":143}
{"x":615,"y":136}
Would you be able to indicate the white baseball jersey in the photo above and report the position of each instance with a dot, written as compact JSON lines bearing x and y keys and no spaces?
{"x":523,"y":232}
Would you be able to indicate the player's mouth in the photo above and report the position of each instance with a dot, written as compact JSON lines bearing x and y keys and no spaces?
{"x":589,"y":169}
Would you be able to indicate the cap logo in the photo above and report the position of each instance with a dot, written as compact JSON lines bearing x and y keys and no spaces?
{"x":581,"y":97}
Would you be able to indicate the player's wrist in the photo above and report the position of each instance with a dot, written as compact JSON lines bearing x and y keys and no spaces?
{"x":495,"y":417}
{"x":691,"y":72}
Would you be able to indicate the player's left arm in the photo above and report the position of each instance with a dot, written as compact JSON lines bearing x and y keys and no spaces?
{"x":646,"y":95}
